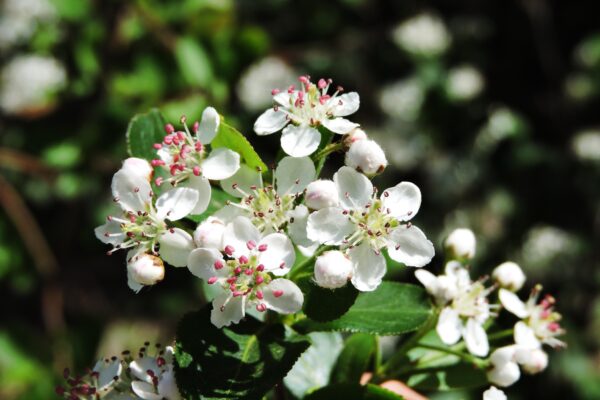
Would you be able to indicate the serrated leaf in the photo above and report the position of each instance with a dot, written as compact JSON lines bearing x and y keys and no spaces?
{"x":143,"y":131}
{"x":353,"y":391}
{"x":338,"y":300}
{"x":392,"y":309}
{"x":461,"y":375}
{"x":242,"y":361}
{"x":354,"y":359}
{"x":233,"y":139}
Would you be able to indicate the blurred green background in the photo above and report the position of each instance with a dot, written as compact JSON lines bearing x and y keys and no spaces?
{"x":491,"y":107}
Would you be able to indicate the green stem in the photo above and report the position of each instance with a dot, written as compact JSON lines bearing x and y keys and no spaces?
{"x":326,"y":142}
{"x":298,"y":269}
{"x":500,"y":334}
{"x":463,"y":356}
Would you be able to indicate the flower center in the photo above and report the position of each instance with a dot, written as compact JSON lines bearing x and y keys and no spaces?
{"x":269,"y":210}
{"x":544,"y":320}
{"x":472,"y":302}
{"x":141,"y":229}
{"x":373,"y":224}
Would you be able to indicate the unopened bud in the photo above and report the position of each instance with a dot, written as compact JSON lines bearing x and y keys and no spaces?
{"x":146,"y":269}
{"x":505,"y":371}
{"x":355,"y":135}
{"x":532,"y":361}
{"x":321,"y":194}
{"x":366,"y":156}
{"x":332,"y":270}
{"x":509,"y":276}
{"x":460,"y":244}
{"x":209,"y":234}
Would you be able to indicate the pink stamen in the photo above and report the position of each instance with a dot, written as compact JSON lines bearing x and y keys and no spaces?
{"x":169,"y":129}
{"x":243,"y":260}
{"x":196,"y":170}
{"x":237,"y":293}
{"x":157,"y":146}
{"x":291,"y":89}
{"x":261,"y":307}
{"x":229,"y":250}
{"x":157,"y":162}
{"x":278,"y":293}
{"x":262,"y":247}
{"x":196,"y":126}
{"x":237,"y":270}
{"x":282,"y":265}
{"x":260,"y":268}
{"x":218,"y":264}
{"x":212,"y":280}
{"x":322,"y":83}
{"x":323,"y":99}
{"x":553,"y":327}
{"x":158,"y":181}
{"x":168,"y":140}
{"x":198,"y":147}
{"x":259,"y":294}
{"x":304,"y":79}
{"x":274,"y":92}
{"x":248,"y":272}
{"x":259,"y":279}
{"x":251,"y":244}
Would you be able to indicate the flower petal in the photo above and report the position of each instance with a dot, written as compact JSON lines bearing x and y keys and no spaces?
{"x":110,"y":233}
{"x":512,"y":303}
{"x":293,"y":174}
{"x":410,"y":246}
{"x":132,"y":190}
{"x":238,"y":233}
{"x":476,"y":338}
{"x":139,"y":368}
{"x":175,"y":247}
{"x":176,"y":203}
{"x":167,"y":386}
{"x":525,"y":336}
{"x":449,"y":326}
{"x":221,"y":163}
{"x":283,"y":98}
{"x":297,"y":226}
{"x":107,"y":372}
{"x":354,"y":188}
{"x":201,"y":263}
{"x":339,"y":125}
{"x":345,"y":104}
{"x":202,"y":186}
{"x":505,"y":374}
{"x":494,"y":394}
{"x":428,"y":280}
{"x":279,"y":256}
{"x":300,"y":141}
{"x":329,"y":226}
{"x":289,"y":302}
{"x":244,"y":178}
{"x":138,"y":166}
{"x":403,"y":200}
{"x":368,"y":267}
{"x":227,"y":310}
{"x":145,"y":390}
{"x":209,"y":125}
{"x":270,"y":122}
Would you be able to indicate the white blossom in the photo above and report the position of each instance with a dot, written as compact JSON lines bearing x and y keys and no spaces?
{"x":464,"y":83}
{"x":154,"y":377}
{"x":494,"y":394}
{"x":366,"y":156}
{"x":505,"y":370}
{"x":321,"y":194}
{"x":509,"y":275}
{"x":422,"y":35}
{"x":332,"y":270}
{"x":355,"y":135}
{"x":143,"y":270}
{"x":301,"y":112}
{"x":461,"y":244}
{"x":210,"y":233}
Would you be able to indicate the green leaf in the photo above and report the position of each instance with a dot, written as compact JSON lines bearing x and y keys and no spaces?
{"x":193,"y":62}
{"x":241,"y":361}
{"x":461,"y":375}
{"x":338,"y":300}
{"x":218,"y":200}
{"x":352,"y":391}
{"x":354,"y":358}
{"x":143,"y":131}
{"x":392,"y":309}
{"x":233,"y":139}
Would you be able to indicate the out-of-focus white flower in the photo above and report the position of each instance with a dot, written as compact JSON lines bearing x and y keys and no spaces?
{"x":29,"y":83}
{"x":509,"y":275}
{"x":422,"y":35}
{"x":586,"y":145}
{"x":244,"y":270}
{"x":363,"y":225}
{"x":321,"y":194}
{"x":505,"y":371}
{"x":461,"y":244}
{"x":154,"y":377}
{"x":19,"y":19}
{"x":300,"y":112}
{"x":403,"y":99}
{"x":143,"y":270}
{"x":464,"y":83}
{"x":494,"y":394}
{"x":185,"y":156}
{"x":366,"y":156}
{"x":545,"y":244}
{"x":254,"y":87}
{"x":532,"y":361}
{"x":332,"y":269}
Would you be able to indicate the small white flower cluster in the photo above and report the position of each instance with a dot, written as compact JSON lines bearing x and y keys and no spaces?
{"x":19,"y":20}
{"x":147,"y":377}
{"x":466,"y":309}
{"x":422,"y":35}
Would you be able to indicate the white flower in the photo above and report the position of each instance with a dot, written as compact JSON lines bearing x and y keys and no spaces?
{"x":494,"y":394}
{"x":540,"y":323}
{"x":464,"y":83}
{"x":140,"y":224}
{"x":363,"y":225}
{"x":366,"y":156}
{"x":532,"y":361}
{"x":444,"y":288}
{"x":460,"y":244}
{"x":246,"y":269}
{"x":143,"y":270}
{"x":210,"y":233}
{"x":104,"y":372}
{"x":185,"y":156}
{"x":332,"y":270}
{"x":154,"y":378}
{"x":403,"y":99}
{"x":300,"y":112}
{"x":509,"y":275}
{"x":321,"y":194}
{"x":423,"y":35}
{"x":29,"y":83}
{"x":505,"y":371}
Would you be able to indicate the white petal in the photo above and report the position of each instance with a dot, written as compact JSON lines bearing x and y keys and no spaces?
{"x":139,"y":368}
{"x":176,"y":203}
{"x":410,"y":246}
{"x":209,"y":233}
{"x":221,"y":163}
{"x":368,"y":268}
{"x":107,"y":371}
{"x":503,"y":355}
{"x":111,"y":228}
{"x":270,"y":121}
{"x":201,"y":263}
{"x":175,"y":247}
{"x":138,"y":166}
{"x":230,"y":212}
{"x":458,"y":273}
{"x":329,"y":226}
{"x":287,"y":302}
{"x":300,"y":141}
{"x":145,"y":390}
{"x":279,"y":256}
{"x":244,"y":178}
{"x":143,"y":269}
{"x":294,"y":174}
{"x":133,"y":284}
{"x":297,"y":228}
{"x":403,"y":200}
{"x":494,"y":394}
{"x":132,"y":191}
{"x":339,"y":125}
{"x":209,"y":125}
{"x":202,"y":186}
{"x":283,"y":98}
{"x":504,"y":375}
{"x":238,"y":233}
{"x":227,"y":310}
{"x":349,"y":104}
{"x":354,"y":188}
{"x":476,"y":338}
{"x":525,"y":336}
{"x":167,"y":386}
{"x":428,"y":280}
{"x":449,"y":326}
{"x":512,"y":303}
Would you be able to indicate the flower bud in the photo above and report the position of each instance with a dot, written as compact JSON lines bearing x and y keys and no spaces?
{"x":532,"y":361}
{"x":460,"y":244}
{"x":209,"y":234}
{"x":494,"y":394}
{"x":366,"y":156}
{"x":321,"y":194}
{"x":355,"y":135}
{"x":505,"y":371}
{"x":332,"y":270}
{"x":145,"y":269}
{"x":138,"y":167}
{"x":509,"y":276}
